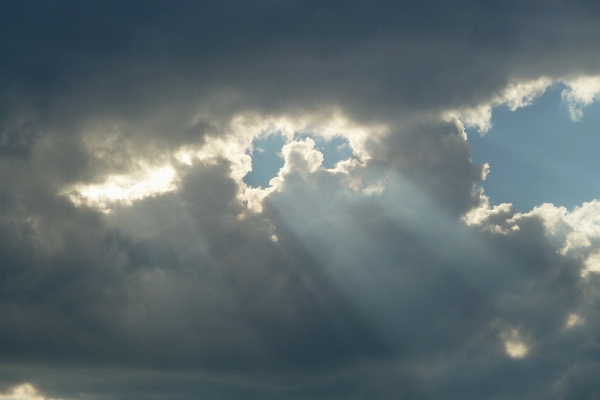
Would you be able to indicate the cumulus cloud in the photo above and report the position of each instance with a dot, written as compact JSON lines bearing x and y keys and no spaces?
{"x":581,"y":92}
{"x":137,"y":263}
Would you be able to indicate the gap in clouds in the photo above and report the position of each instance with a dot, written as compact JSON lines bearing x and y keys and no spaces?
{"x":334,"y":149}
{"x":267,"y":159}
{"x":537,"y":154}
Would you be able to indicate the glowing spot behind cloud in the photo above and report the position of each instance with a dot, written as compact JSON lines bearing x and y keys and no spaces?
{"x":124,"y":188}
{"x":24,"y":391}
{"x":574,"y":320}
{"x":514,"y":345}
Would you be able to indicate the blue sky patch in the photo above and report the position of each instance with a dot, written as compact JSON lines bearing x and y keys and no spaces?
{"x":537,"y":154}
{"x":266,"y":160}
{"x":334,"y":150}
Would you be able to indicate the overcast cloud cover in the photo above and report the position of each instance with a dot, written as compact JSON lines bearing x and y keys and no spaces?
{"x":136,"y":263}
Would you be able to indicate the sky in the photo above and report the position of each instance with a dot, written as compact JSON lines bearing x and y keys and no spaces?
{"x":538,"y":154}
{"x":299,"y":200}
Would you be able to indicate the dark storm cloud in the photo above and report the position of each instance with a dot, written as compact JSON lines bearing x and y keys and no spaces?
{"x":330,"y":292}
{"x":151,"y":62}
{"x":125,"y":57}
{"x":177,"y":283}
{"x":218,"y":288}
{"x":437,"y":157}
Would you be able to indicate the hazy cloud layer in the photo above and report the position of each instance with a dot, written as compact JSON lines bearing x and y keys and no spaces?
{"x":136,"y":263}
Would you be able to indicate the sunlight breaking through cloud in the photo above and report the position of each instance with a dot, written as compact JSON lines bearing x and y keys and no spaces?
{"x":147,"y":181}
{"x":296,"y":200}
{"x":574,"y":320}
{"x":25,"y":391}
{"x":126,"y":188}
{"x":514,"y":344}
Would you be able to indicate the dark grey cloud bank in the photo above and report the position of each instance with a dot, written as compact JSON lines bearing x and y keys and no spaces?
{"x":382,"y":293}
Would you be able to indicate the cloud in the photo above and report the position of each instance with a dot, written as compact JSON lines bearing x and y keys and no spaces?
{"x":24,"y":392}
{"x":387,"y":275}
{"x":575,"y":233}
{"x":515,"y":95}
{"x":514,"y":344}
{"x":581,"y":92}
{"x":124,"y":188}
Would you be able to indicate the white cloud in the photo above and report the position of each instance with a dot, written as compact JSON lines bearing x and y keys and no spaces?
{"x":581,"y":92}
{"x":522,"y":94}
{"x":484,"y":214}
{"x":592,"y":264}
{"x":515,"y":95}
{"x":579,"y":229}
{"x":302,"y":156}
